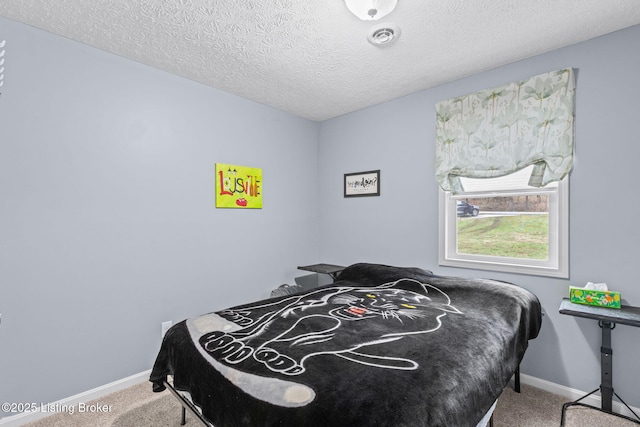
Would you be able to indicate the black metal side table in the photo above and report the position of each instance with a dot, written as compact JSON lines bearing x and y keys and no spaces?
{"x":607,"y":319}
{"x":330,"y":269}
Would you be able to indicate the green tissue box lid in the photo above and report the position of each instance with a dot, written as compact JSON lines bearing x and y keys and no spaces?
{"x":608,"y":299}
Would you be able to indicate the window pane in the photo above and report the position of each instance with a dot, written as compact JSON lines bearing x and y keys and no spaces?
{"x":508,"y":227}
{"x":504,"y":226}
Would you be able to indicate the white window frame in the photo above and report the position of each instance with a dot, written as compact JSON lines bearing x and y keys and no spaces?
{"x":556,"y":266}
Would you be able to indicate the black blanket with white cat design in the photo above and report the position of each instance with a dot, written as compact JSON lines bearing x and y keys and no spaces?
{"x":382,"y":346}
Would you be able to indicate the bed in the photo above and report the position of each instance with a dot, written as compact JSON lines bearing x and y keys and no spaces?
{"x":381,"y":346}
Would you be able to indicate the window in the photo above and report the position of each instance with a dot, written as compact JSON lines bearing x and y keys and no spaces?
{"x":502,"y":224}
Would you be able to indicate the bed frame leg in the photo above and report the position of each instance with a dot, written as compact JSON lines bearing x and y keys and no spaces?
{"x":186,"y":406}
{"x":516,"y":380}
{"x":491,"y":421}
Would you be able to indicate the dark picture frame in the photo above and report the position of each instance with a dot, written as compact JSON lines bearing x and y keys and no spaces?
{"x":362,"y":184}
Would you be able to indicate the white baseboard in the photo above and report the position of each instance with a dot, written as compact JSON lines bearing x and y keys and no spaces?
{"x":84,"y":397}
{"x":572,"y":394}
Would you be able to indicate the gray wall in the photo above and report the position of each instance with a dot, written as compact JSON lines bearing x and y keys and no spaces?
{"x":401,"y":226}
{"x":108,"y":225}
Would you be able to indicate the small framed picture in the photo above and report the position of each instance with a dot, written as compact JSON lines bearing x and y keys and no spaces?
{"x":362,"y":184}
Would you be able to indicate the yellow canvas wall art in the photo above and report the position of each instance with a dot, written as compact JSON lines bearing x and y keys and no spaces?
{"x":238,"y":187}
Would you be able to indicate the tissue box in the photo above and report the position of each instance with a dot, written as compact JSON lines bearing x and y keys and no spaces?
{"x":608,"y":299}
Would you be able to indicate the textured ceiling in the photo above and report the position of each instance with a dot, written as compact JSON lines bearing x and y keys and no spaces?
{"x":311,"y":57}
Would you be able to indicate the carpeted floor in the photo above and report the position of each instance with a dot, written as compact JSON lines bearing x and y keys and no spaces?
{"x":138,"y":406}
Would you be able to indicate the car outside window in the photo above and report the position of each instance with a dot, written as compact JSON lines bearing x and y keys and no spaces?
{"x":465,"y":209}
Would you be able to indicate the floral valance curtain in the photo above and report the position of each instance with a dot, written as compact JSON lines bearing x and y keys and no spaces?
{"x":499,"y":131}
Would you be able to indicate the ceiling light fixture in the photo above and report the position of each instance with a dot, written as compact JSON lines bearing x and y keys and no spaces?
{"x":371,"y":10}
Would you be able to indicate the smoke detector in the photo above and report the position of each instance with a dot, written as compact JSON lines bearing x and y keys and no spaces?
{"x":383,"y":34}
